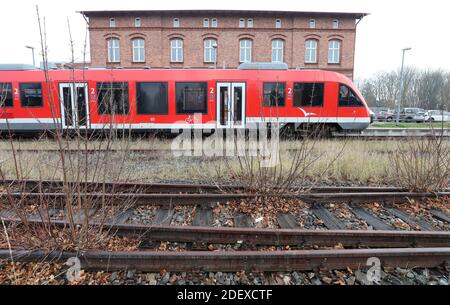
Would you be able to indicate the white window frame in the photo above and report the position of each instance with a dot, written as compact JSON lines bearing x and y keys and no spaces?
{"x":214,"y":23}
{"x":278,"y":23}
{"x":334,"y":51}
{"x":245,"y":50}
{"x":250,"y":22}
{"x":335,"y":23}
{"x":206,"y":22}
{"x":209,"y":52}
{"x":137,"y":22}
{"x":311,"y":51}
{"x":312,"y":23}
{"x":112,"y":22}
{"x":138,"y":49}
{"x":176,"y":22}
{"x":242,"y":23}
{"x":176,"y":50}
{"x":277,"y":50}
{"x":113,"y":50}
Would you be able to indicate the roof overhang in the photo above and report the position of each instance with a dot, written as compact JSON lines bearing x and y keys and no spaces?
{"x":218,"y":13}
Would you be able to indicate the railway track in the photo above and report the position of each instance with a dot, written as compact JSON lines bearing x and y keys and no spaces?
{"x":332,"y":244}
{"x":31,"y":185}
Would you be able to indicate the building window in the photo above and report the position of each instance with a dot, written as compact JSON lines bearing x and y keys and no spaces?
{"x":214,"y":22}
{"x":138,"y":50}
{"x":273,"y":94}
{"x":112,"y":98}
{"x":151,"y":98}
{"x":335,"y":23}
{"x":277,"y":50}
{"x":348,"y":98}
{"x":6,"y":99}
{"x":242,"y":23}
{"x":308,"y":94}
{"x":278,"y":23}
{"x":176,"y":22}
{"x":245,"y":50}
{"x":31,"y":95}
{"x":206,"y":23}
{"x":113,"y":50}
{"x":176,"y":50}
{"x":312,"y":23}
{"x":334,"y":51}
{"x":311,"y":51}
{"x":112,"y":22}
{"x":210,"y":48}
{"x":137,"y":22}
{"x":191,"y":97}
{"x":249,"y":23}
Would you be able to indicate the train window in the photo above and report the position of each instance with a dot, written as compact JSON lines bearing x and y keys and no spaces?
{"x":151,"y":98}
{"x":274,"y":94}
{"x":112,"y":98}
{"x":348,"y":98}
{"x":6,"y":99}
{"x":31,"y":95}
{"x":191,"y":97}
{"x":308,"y":94}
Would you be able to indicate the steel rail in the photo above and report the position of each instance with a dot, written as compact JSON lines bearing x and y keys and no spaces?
{"x":139,"y":187}
{"x":227,"y":261}
{"x":267,"y":237}
{"x":170,"y":199}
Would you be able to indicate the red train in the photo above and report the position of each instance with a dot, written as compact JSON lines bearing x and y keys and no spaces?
{"x":151,"y":99}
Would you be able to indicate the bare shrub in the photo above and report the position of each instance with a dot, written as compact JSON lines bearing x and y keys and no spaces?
{"x":423,"y":164}
{"x":86,"y":213}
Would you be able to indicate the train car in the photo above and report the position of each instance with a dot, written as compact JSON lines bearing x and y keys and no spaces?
{"x":164,"y":99}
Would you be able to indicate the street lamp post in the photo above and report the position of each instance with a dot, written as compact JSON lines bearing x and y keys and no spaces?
{"x":32,"y":53}
{"x":400,"y":93}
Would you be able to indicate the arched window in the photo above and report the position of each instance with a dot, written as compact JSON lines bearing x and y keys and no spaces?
{"x":176,"y":50}
{"x":334,"y":51}
{"x":138,"y":50}
{"x":311,"y":51}
{"x":312,"y":23}
{"x":210,"y":50}
{"x":245,"y":50}
{"x":277,"y":50}
{"x":113,"y":50}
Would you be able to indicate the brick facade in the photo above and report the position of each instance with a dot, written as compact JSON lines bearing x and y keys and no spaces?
{"x":157,"y":30}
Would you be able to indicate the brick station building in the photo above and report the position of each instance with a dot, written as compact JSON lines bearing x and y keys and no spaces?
{"x":222,"y":39}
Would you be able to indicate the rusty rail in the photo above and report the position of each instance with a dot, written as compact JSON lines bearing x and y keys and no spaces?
{"x":227,"y":261}
{"x":170,"y":199}
{"x":139,"y":187}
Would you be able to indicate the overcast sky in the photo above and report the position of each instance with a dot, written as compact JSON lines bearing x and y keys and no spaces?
{"x":391,"y":26}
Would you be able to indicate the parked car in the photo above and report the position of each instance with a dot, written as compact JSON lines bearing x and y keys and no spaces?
{"x":387,"y":116}
{"x":437,"y":116}
{"x":412,"y":115}
{"x":372,"y":116}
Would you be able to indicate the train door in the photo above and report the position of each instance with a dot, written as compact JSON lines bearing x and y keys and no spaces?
{"x":74,"y":105}
{"x":230,"y":105}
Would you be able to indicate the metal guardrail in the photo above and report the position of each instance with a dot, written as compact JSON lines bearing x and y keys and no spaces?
{"x":397,"y":132}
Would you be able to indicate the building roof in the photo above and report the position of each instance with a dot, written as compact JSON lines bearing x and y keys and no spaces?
{"x":219,"y":12}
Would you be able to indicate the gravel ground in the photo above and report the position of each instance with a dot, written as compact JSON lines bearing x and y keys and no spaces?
{"x":31,"y":273}
{"x":143,"y":215}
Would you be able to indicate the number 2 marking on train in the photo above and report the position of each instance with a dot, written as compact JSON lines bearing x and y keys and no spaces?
{"x":92,"y":91}
{"x":211,"y":90}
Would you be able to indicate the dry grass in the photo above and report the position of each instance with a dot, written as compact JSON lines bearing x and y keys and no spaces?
{"x":360,"y":162}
